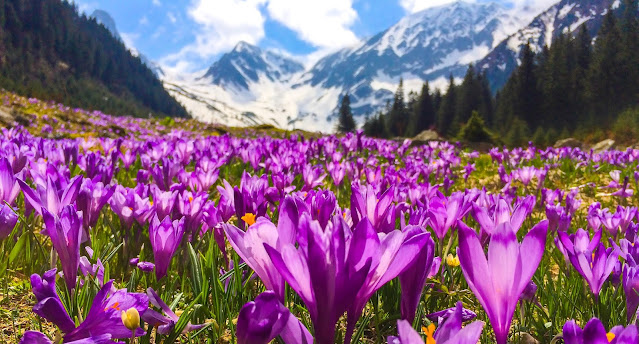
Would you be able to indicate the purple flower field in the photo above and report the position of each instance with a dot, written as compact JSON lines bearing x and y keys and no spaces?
{"x":141,"y":231}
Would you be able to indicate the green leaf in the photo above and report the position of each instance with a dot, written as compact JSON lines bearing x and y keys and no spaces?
{"x":17,"y":248}
{"x":196,"y":271}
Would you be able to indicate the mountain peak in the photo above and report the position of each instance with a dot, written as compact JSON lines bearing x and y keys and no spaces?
{"x":243,"y":46}
{"x":104,"y":18}
{"x":247,"y":63}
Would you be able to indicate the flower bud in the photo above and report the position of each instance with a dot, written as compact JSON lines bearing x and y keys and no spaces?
{"x":131,"y":319}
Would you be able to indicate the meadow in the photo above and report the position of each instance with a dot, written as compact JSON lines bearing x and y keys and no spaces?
{"x":116,"y":229}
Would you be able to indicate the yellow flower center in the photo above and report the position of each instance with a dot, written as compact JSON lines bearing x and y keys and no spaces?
{"x":131,"y":319}
{"x":249,"y":218}
{"x":190,"y":199}
{"x":452,"y":261}
{"x":610,"y":336}
{"x":430,"y":332}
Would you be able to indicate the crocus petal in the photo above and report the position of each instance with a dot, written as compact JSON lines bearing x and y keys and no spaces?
{"x":594,"y":332}
{"x":572,"y":333}
{"x":467,"y":335}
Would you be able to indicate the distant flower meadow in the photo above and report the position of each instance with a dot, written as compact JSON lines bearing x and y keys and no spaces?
{"x":182,"y":237}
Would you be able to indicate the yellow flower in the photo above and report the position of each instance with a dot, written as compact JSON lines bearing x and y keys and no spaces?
{"x":131,"y":319}
{"x":249,"y":218}
{"x":452,"y":260}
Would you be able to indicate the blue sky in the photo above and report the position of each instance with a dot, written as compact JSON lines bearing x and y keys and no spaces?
{"x":189,"y":35}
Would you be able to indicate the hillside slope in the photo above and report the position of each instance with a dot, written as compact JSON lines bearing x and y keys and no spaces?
{"x":49,"y":51}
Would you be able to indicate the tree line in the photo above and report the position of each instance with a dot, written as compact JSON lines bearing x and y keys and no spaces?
{"x":49,"y":51}
{"x":581,"y":86}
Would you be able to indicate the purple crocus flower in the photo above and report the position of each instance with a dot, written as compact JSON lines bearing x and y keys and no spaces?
{"x":145,"y":266}
{"x":165,"y":238}
{"x":8,"y":221}
{"x":490,"y":218}
{"x":49,"y":305}
{"x":191,"y":205}
{"x":226,"y":204}
{"x":450,"y":331}
{"x":9,"y":188}
{"x":631,"y":289}
{"x":380,"y":211}
{"x":35,"y":337}
{"x":250,"y":245}
{"x":91,"y":199}
{"x":611,"y":221}
{"x":163,"y":201}
{"x":66,"y":234}
{"x":122,"y":203}
{"x":164,"y":323}
{"x":50,"y":198}
{"x":439,"y":317}
{"x":103,"y":321}
{"x":328,"y":269}
{"x":413,"y":279}
{"x":105,"y":317}
{"x":262,"y":320}
{"x":391,"y":254}
{"x":559,"y":219}
{"x":590,"y":257}
{"x":595,"y":333}
{"x":499,"y":280}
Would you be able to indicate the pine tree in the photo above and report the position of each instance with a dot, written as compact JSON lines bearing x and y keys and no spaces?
{"x":628,"y":57}
{"x":526,"y":105}
{"x":346,"y":122}
{"x":469,"y":99}
{"x":447,"y":110}
{"x":582,"y":46}
{"x":398,"y":117}
{"x":424,"y":113}
{"x":605,"y":75}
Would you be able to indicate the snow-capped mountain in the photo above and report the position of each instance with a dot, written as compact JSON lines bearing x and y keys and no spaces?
{"x":247,"y":64}
{"x":250,"y":86}
{"x":259,"y":86}
{"x":563,"y":17}
{"x":428,"y":45}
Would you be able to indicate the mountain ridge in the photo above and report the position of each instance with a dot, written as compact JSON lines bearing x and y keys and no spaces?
{"x":428,"y":45}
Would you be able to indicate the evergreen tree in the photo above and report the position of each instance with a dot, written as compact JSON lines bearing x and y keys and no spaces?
{"x":605,"y":75}
{"x":475,"y":130}
{"x":49,"y":51}
{"x":346,"y":122}
{"x":398,"y":117}
{"x":526,"y":105}
{"x":582,"y":47}
{"x":424,"y":113}
{"x":469,"y":99}
{"x":447,"y":110}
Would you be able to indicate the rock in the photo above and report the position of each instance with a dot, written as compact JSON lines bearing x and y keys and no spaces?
{"x":426,"y":136}
{"x":569,"y":142}
{"x":604,"y":145}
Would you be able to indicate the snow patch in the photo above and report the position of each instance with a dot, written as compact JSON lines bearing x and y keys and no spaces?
{"x":457,"y":57}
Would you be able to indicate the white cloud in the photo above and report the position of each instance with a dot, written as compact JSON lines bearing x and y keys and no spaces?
{"x":129,"y":41}
{"x":220,"y":26}
{"x":157,"y":2}
{"x":171,"y":17}
{"x":144,"y":20}
{"x":412,"y":6}
{"x":322,"y":23}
